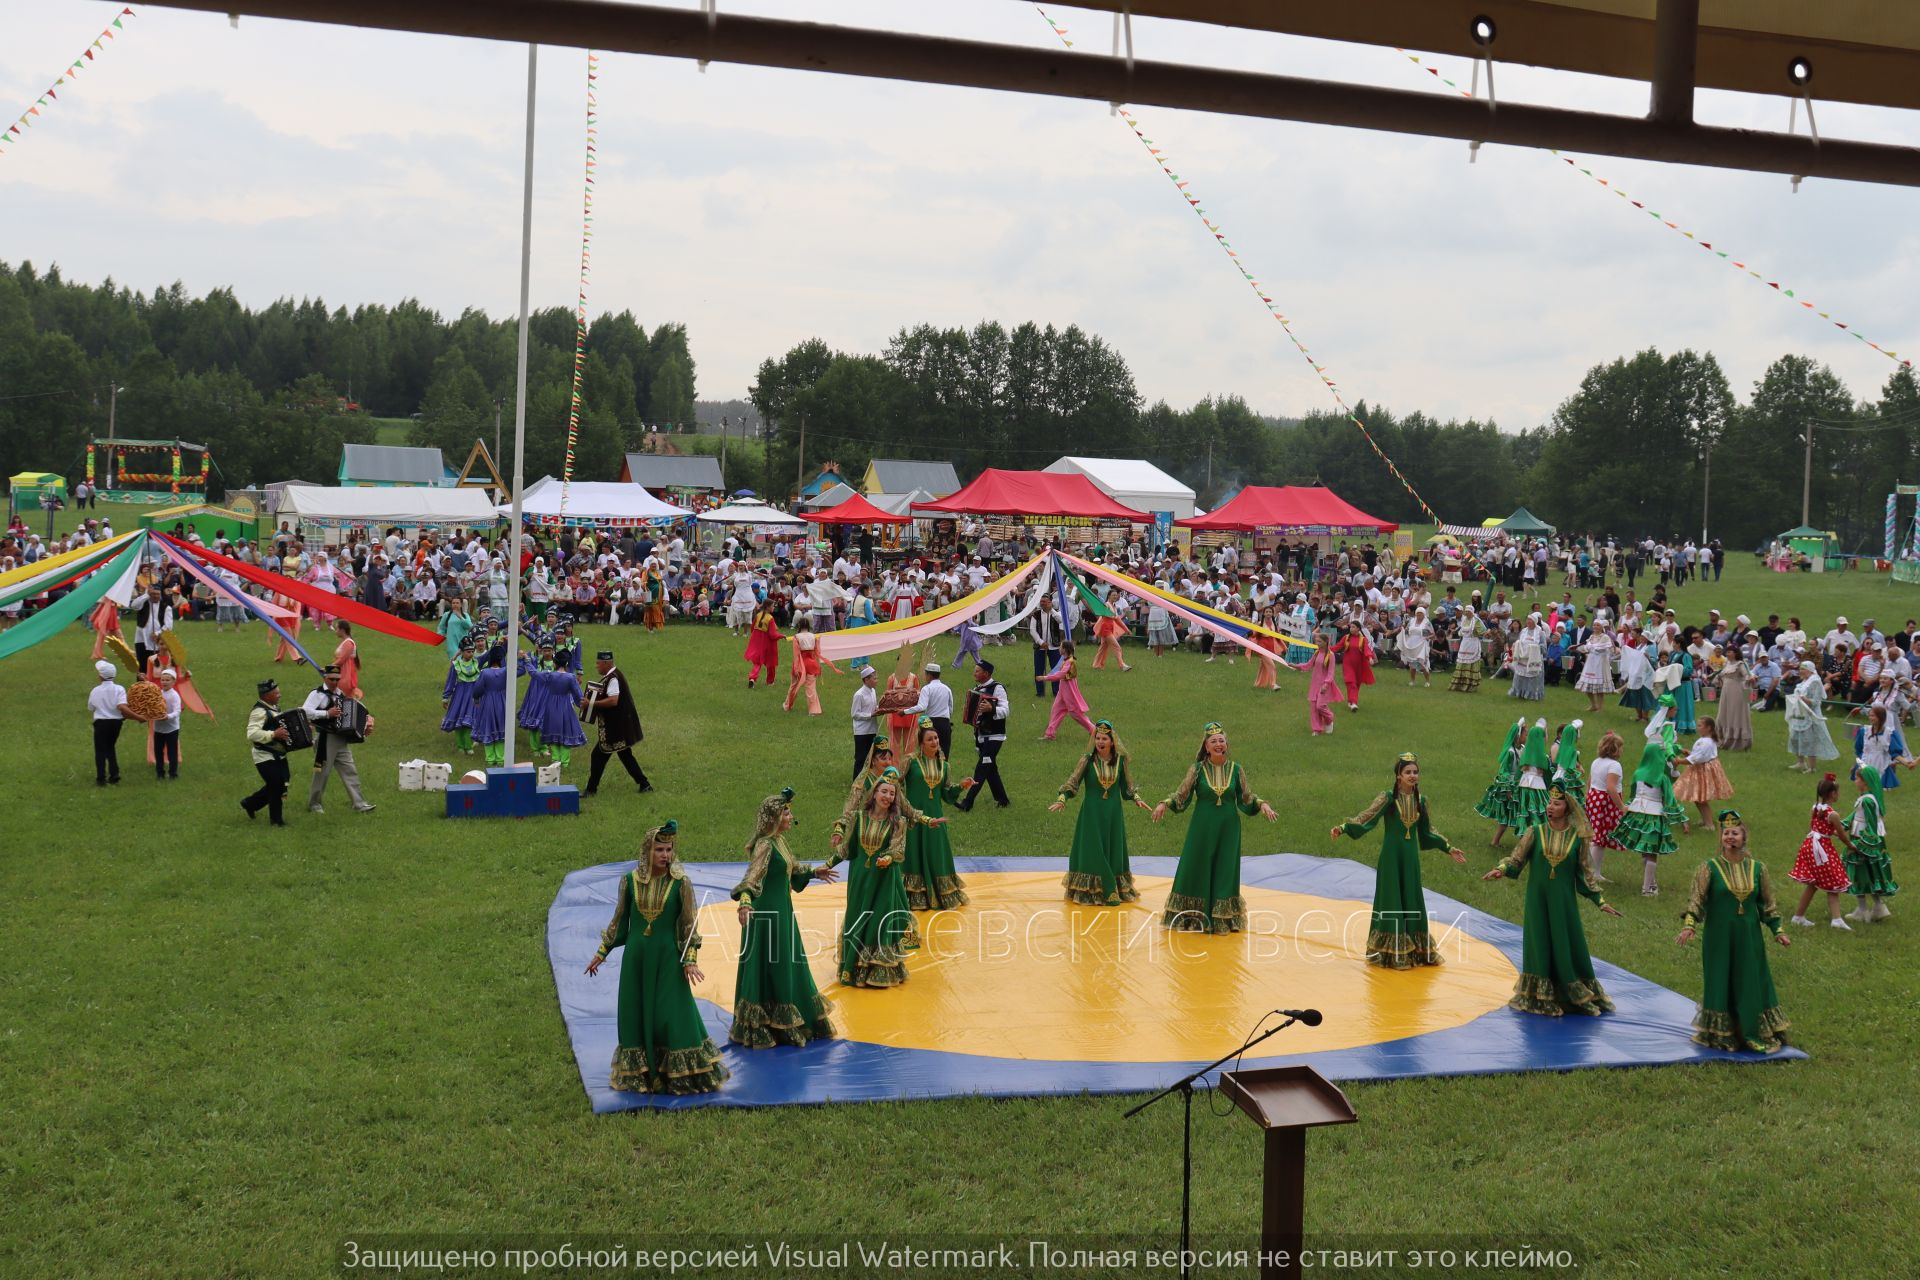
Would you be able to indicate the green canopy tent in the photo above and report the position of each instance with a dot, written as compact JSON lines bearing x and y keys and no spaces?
{"x":1525,"y":523}
{"x":1815,"y":544}
{"x":27,"y":488}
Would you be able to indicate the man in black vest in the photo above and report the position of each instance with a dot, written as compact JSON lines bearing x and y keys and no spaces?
{"x":618,"y":722}
{"x":268,"y":744}
{"x":987,"y":713}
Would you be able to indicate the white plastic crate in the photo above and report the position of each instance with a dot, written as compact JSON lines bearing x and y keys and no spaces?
{"x":413,"y":775}
{"x":549,"y":775}
{"x":436,"y":776}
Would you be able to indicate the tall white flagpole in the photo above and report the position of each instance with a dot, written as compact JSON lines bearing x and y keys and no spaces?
{"x":520,"y":417}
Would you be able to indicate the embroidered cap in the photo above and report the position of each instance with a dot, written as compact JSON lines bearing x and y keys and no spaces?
{"x":605,"y":655}
{"x":266,"y":687}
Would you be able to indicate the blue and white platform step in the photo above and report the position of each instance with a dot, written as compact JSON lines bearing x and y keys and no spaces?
{"x":510,"y":793}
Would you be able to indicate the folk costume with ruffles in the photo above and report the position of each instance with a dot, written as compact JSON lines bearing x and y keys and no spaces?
{"x":663,"y":1046}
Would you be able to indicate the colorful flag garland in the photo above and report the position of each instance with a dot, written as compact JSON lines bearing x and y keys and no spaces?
{"x":15,"y":132}
{"x":1676,"y":228}
{"x":1183,"y":186}
{"x":586,"y":265}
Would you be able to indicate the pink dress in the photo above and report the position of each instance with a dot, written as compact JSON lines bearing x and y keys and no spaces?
{"x":1322,"y":692}
{"x":1068,"y":704}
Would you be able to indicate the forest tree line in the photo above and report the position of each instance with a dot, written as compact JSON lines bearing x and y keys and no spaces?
{"x":1628,"y":452}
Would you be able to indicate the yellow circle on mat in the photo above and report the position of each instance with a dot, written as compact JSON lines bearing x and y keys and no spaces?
{"x":1021,"y":973}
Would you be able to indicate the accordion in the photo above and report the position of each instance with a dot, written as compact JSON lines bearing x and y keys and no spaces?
{"x":596,"y":690}
{"x":351,"y":721}
{"x":299,"y":727}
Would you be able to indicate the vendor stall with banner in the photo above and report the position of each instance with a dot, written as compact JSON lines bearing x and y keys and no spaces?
{"x":1067,"y":507}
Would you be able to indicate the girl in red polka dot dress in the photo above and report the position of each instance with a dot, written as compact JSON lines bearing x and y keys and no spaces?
{"x":1818,"y":867}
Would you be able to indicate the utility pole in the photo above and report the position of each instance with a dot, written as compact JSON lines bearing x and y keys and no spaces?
{"x":800,"y":457}
{"x":723,"y":449}
{"x":113,"y":403}
{"x":1209,"y":466}
{"x":1806,"y":483}
{"x":498,"y":401}
{"x":1706,"y":488}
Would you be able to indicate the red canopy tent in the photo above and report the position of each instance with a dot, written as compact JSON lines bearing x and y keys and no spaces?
{"x":856,"y":510}
{"x":1035,"y":494}
{"x":1289,"y":509}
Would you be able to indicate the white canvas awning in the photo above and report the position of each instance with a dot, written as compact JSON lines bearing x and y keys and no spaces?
{"x":1132,"y":482}
{"x":413,"y":507}
{"x":748,"y":511}
{"x":597,"y":502}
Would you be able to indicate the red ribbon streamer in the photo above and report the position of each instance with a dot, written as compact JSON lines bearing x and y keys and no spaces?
{"x":306,"y":593}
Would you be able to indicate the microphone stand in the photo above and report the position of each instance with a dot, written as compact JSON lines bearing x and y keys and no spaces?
{"x":1184,"y":1086}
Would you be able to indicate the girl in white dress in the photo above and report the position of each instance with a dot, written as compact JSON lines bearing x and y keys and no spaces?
{"x":1529,"y":661}
{"x":1596,"y":673}
{"x":1416,"y":647}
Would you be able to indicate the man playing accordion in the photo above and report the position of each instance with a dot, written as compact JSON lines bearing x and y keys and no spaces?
{"x":339,"y":723}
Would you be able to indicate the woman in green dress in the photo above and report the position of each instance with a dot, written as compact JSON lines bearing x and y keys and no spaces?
{"x":1398,"y":936}
{"x":1497,"y":805}
{"x":879,"y":759}
{"x":1098,"y":873}
{"x":1733,"y":899}
{"x":775,"y":1000}
{"x":1556,"y":971}
{"x":1206,"y":886}
{"x":931,"y":882}
{"x":879,"y":927}
{"x":664,"y":1046}
{"x":1869,"y":869}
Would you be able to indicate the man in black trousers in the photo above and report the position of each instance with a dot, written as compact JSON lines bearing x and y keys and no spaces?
{"x":618,"y":722}
{"x":269,"y":744}
{"x":987,"y":713}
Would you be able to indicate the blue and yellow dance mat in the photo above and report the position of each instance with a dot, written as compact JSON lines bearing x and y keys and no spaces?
{"x":1022,"y":993}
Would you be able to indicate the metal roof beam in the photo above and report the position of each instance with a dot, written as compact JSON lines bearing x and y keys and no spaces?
{"x":807,"y":46}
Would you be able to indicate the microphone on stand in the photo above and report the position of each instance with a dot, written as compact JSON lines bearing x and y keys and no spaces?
{"x":1309,"y":1016}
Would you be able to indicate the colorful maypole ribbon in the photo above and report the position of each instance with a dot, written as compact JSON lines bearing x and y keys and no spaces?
{"x":1677,"y":229}
{"x":18,"y":129}
{"x":1183,"y":186}
{"x":586,"y":270}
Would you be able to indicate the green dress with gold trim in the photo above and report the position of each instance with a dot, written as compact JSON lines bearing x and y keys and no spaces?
{"x":1098,"y":873}
{"x":664,"y":1046}
{"x":879,"y":928}
{"x":1556,"y":970}
{"x":1398,"y":936}
{"x":1206,"y":886}
{"x":1731,"y":905}
{"x":931,"y":882}
{"x":775,"y":1000}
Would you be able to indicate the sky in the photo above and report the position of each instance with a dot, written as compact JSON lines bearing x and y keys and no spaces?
{"x":762,"y":208}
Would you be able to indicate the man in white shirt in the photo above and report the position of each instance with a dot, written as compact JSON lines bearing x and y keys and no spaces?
{"x":1838,"y":636}
{"x":151,"y":616}
{"x":107,"y":705}
{"x":866,"y":703}
{"x":987,"y":709}
{"x":331,"y":750}
{"x":936,"y":704}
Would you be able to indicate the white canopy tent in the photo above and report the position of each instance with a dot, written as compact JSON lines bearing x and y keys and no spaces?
{"x":594,"y":502}
{"x":749,"y":511}
{"x":1132,"y":482}
{"x":408,"y":507}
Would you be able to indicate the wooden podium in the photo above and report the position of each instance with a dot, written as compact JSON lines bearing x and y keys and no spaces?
{"x":1286,"y":1102}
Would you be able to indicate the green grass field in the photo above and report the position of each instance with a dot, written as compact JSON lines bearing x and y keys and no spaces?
{"x":227,"y":1048}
